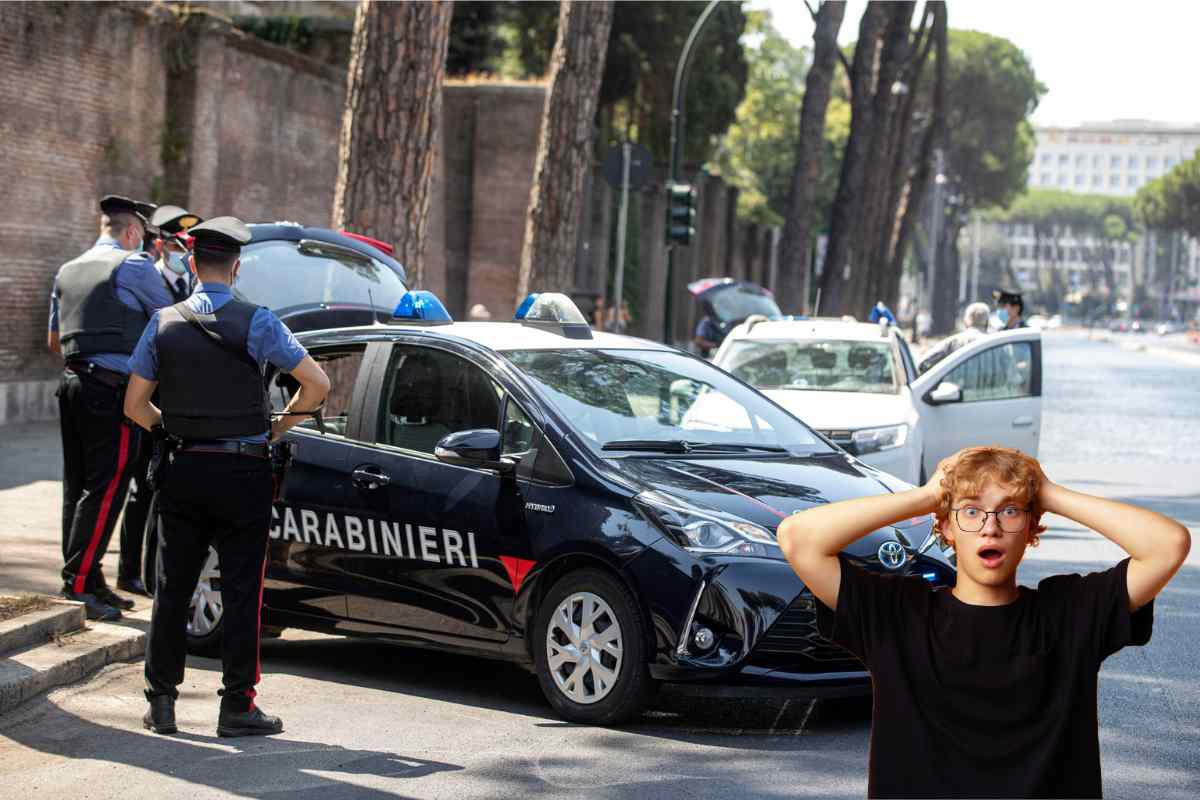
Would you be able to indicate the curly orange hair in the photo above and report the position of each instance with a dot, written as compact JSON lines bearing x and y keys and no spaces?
{"x":976,"y":467}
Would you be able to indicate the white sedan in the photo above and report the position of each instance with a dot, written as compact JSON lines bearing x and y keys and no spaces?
{"x":857,"y":384}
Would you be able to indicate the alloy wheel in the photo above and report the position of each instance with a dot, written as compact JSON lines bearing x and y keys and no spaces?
{"x":206,"y":608}
{"x":584,"y":648}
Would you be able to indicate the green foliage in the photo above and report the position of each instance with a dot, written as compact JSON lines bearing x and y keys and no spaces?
{"x":295,"y":33}
{"x":758,"y":152}
{"x":1172,"y":201}
{"x":1051,"y":211}
{"x":991,"y":91}
{"x":476,"y":44}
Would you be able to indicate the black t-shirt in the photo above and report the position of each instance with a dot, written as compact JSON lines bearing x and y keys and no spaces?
{"x":984,"y":701}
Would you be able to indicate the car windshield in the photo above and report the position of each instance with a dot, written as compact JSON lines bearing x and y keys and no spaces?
{"x":739,"y":302}
{"x":815,"y":365}
{"x":282,"y":275}
{"x":659,"y":400}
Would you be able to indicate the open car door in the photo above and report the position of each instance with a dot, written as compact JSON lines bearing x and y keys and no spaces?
{"x":988,"y":392}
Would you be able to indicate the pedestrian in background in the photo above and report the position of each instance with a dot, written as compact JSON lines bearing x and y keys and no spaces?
{"x":207,"y":357}
{"x":479,"y":313}
{"x":169,"y":226}
{"x":1009,"y":308}
{"x":1004,"y":699}
{"x":98,"y":308}
{"x":975,"y":325}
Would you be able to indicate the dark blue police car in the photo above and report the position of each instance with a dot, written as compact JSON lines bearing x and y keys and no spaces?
{"x":599,"y":508}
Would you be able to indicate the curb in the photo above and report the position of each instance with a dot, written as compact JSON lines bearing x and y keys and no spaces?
{"x":69,"y":659}
{"x":39,"y":627}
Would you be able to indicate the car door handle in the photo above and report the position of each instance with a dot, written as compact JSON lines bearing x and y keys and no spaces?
{"x":369,"y":477}
{"x":1022,"y":422}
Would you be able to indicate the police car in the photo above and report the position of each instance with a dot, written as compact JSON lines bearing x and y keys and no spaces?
{"x":599,"y":508}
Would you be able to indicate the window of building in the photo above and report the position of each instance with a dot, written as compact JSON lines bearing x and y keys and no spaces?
{"x":1132,"y":180}
{"x":1114,"y":180}
{"x":1097,"y":180}
{"x":1151,"y":163}
{"x":1047,"y":158}
{"x":1168,"y":162}
{"x":1080,"y":161}
{"x":1079,"y":178}
{"x":1023,"y":251}
{"x":1063,"y":159}
{"x":1062,"y":179}
{"x":1073,"y":254}
{"x":1097,"y":161}
{"x":1133,"y":162}
{"x":1114,"y":162}
{"x":1045,"y":178}
{"x":1122,"y":255}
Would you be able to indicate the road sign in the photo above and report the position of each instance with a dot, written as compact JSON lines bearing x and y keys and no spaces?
{"x":641,"y":165}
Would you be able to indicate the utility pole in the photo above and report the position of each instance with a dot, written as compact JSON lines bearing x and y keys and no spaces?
{"x":976,"y":245}
{"x":678,"y":130}
{"x":935,"y":229}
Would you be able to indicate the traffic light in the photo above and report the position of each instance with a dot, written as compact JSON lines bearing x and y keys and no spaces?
{"x":681,"y":213}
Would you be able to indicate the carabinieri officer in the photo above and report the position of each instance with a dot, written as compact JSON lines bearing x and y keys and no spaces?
{"x":207,"y":356}
{"x":169,"y":225}
{"x":98,"y":308}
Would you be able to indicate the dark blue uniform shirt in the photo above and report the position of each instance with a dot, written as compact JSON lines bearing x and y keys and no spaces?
{"x":269,"y":340}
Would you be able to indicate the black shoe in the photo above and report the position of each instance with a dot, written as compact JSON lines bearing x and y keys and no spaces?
{"x":107,"y":595}
{"x":96,"y":608}
{"x":161,"y":716}
{"x":247,"y":723}
{"x":133,"y":586}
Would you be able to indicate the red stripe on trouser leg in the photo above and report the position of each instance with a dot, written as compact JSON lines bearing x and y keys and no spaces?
{"x":105,"y":506}
{"x":262,"y":579}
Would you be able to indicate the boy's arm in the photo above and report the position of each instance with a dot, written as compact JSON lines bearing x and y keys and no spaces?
{"x":812,"y":539}
{"x":1157,"y":545}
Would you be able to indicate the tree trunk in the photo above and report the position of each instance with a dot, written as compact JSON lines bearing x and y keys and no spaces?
{"x":564,"y":147}
{"x":944,"y":313}
{"x":838,"y":274}
{"x":389,"y":140}
{"x":795,"y":250}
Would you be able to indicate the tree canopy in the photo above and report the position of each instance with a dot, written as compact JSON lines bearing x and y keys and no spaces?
{"x":1171,"y":202}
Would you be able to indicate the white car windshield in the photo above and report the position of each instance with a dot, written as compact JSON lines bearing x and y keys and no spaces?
{"x":657,"y":400}
{"x":830,"y":365}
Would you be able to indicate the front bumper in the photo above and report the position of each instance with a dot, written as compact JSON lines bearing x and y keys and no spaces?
{"x":764,"y":621}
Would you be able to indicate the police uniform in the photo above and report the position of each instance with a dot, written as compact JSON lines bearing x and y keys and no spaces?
{"x":168,"y":223}
{"x":216,"y":487}
{"x":99,"y":306}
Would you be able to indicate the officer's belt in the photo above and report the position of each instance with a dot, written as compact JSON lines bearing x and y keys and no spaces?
{"x":109,"y":377}
{"x":252,"y":449}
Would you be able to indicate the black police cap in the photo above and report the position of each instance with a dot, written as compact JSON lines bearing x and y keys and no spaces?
{"x":116,"y":204}
{"x":1005,"y":297}
{"x":171,"y":220}
{"x":220,"y":236}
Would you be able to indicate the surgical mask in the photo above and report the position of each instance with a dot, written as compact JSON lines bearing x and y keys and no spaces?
{"x":1002,"y":315}
{"x":176,"y":263}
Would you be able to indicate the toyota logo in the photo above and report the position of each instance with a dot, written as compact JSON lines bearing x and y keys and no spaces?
{"x":891,"y":554}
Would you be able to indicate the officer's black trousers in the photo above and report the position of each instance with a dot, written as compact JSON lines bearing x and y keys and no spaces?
{"x":98,"y":450}
{"x":223,"y":500}
{"x":137,"y":508}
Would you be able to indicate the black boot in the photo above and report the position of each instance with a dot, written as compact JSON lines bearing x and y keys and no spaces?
{"x":96,"y":608}
{"x":133,"y":586}
{"x":247,"y":723}
{"x":115,"y":600}
{"x":161,"y":716}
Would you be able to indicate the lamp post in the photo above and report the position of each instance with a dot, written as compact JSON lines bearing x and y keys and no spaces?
{"x":678,"y":130}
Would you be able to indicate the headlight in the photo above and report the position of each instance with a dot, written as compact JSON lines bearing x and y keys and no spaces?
{"x":705,"y":532}
{"x":872,"y":440}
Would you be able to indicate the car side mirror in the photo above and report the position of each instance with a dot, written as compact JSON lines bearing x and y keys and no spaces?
{"x":945,"y":392}
{"x":475,"y":448}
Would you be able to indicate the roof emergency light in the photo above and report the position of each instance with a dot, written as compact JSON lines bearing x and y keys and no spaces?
{"x":553,"y":311}
{"x":420,"y":307}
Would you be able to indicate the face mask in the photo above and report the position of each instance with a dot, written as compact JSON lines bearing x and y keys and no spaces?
{"x":175,"y":262}
{"x":1002,"y":315}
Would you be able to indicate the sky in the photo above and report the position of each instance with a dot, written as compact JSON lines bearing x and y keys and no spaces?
{"x":1100,"y":60}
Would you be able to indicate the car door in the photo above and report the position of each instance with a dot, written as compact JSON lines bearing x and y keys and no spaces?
{"x":999,"y":397}
{"x":305,"y":573}
{"x":443,"y":530}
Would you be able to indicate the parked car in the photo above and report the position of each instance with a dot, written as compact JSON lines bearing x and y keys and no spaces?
{"x":598,"y":508}
{"x":860,"y":388}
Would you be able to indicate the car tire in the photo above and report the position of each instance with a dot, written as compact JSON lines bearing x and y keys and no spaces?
{"x":206,"y":610}
{"x":572,"y":681}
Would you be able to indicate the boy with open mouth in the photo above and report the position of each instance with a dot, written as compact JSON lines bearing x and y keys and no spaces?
{"x":987,"y":689}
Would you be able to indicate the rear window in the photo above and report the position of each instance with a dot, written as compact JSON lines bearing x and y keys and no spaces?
{"x":820,"y":366}
{"x":284,"y":275}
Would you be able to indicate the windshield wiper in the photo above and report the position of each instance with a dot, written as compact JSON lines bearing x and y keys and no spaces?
{"x":684,"y":446}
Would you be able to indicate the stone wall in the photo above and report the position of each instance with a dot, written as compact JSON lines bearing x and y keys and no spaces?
{"x":120,"y":98}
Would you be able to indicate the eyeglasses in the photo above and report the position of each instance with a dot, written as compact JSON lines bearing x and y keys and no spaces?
{"x":972,"y":519}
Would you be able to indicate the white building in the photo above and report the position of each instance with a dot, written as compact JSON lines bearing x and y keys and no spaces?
{"x":1114,"y":158}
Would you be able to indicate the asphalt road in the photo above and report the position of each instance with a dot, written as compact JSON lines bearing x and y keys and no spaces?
{"x":367,"y":720}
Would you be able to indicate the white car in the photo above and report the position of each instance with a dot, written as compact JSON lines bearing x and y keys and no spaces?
{"x":857,"y":384}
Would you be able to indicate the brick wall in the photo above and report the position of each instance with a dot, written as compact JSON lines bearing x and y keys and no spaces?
{"x":252,"y":131}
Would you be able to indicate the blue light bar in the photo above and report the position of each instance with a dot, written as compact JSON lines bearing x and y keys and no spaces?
{"x":421,"y":308}
{"x":555,"y":312}
{"x":930,"y":576}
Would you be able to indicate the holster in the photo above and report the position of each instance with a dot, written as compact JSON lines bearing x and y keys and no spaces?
{"x":281,"y":459}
